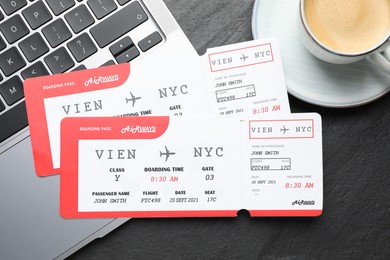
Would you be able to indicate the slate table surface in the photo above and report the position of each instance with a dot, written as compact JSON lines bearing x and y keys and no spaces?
{"x":355,"y":223}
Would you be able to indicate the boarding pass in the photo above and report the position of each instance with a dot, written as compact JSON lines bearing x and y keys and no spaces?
{"x":191,"y":166}
{"x":233,"y":81}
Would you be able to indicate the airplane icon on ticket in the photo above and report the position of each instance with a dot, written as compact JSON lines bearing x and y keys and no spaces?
{"x":132,"y":99}
{"x":167,"y":153}
{"x":284,"y":129}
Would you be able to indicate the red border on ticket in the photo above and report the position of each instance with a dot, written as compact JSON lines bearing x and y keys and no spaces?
{"x":77,"y":129}
{"x":311,"y":134}
{"x":241,"y":49}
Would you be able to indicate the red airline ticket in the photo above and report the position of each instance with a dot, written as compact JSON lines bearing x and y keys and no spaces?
{"x":191,"y":166}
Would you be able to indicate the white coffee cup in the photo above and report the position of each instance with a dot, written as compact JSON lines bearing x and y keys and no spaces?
{"x":341,"y":32}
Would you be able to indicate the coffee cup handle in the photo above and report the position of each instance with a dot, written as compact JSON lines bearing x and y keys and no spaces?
{"x":381,"y":59}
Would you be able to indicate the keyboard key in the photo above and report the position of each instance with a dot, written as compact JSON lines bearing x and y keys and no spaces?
{"x":56,"y":32}
{"x":122,"y":2}
{"x":117,"y":25}
{"x":80,"y":67}
{"x":12,"y":90}
{"x":36,"y":70}
{"x":10,"y":7}
{"x":59,"y":61}
{"x":2,"y":106}
{"x":150,"y":41}
{"x":37,"y":14}
{"x":108,"y":63}
{"x":33,"y":47}
{"x":13,"y":120}
{"x":82,"y":47}
{"x":121,"y":46}
{"x":128,"y":55}
{"x":60,"y":6}
{"x":2,"y":44}
{"x":11,"y":61}
{"x":79,"y":18}
{"x":102,"y":8}
{"x":14,"y":28}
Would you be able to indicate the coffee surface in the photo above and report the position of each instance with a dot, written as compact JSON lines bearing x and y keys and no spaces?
{"x":351,"y":26}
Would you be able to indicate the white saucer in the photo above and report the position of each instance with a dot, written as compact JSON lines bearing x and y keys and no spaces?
{"x":308,"y":78}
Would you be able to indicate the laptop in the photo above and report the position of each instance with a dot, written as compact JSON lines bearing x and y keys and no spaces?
{"x":46,"y":37}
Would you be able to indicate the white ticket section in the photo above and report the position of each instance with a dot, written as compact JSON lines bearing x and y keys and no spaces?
{"x":282,"y":163}
{"x":191,"y":166}
{"x":246,"y":79}
{"x":280,"y":129}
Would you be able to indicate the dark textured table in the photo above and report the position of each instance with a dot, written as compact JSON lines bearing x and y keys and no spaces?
{"x":355,"y":223}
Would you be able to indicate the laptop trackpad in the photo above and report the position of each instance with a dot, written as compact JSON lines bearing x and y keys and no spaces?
{"x":31,"y":225}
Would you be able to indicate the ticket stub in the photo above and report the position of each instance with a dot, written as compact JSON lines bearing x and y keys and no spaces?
{"x":283,"y":161}
{"x":191,"y":166}
{"x":169,"y":81}
{"x":240,"y":81}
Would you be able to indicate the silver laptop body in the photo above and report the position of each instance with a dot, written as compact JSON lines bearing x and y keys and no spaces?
{"x":30,"y":224}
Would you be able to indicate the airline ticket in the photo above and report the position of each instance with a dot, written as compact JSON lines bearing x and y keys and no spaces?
{"x":191,"y":166}
{"x":234,"y":81}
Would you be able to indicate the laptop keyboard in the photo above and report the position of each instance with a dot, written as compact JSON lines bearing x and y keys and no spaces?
{"x":54,"y":36}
